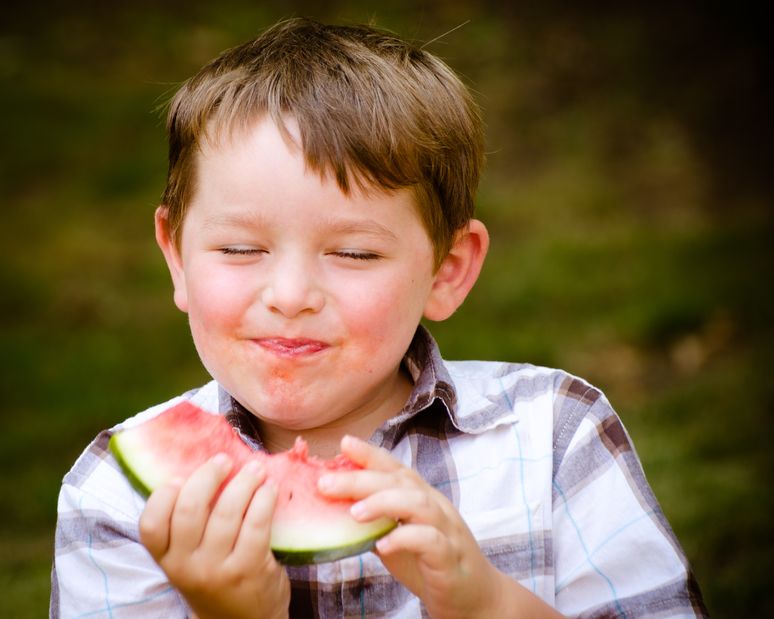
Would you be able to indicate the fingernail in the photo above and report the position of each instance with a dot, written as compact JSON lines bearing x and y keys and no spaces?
{"x":325,"y":483}
{"x":382,"y":545}
{"x":358,"y":511}
{"x":221,"y":460}
{"x":253,"y":467}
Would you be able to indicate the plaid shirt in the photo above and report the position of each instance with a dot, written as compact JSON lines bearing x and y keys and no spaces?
{"x":535,"y":460}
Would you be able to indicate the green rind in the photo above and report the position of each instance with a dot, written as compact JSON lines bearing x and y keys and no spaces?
{"x":324,"y":555}
{"x":115,"y":447}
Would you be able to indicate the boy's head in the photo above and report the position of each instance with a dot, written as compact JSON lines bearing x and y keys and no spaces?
{"x":318,"y":206}
{"x":371,"y":110}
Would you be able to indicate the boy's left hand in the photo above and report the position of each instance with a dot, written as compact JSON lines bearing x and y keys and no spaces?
{"x":432,"y":552}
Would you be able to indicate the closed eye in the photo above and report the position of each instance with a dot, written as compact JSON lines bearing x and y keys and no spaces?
{"x":356,"y":255}
{"x":240,"y":251}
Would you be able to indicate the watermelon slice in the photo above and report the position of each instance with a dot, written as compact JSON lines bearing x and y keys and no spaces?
{"x":306,"y":528}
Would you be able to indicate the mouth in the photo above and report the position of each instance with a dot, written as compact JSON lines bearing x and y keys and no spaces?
{"x":291,"y":347}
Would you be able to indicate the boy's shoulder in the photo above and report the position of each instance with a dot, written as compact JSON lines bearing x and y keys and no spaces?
{"x":482,"y":394}
{"x":209,"y":397}
{"x":546,"y":402}
{"x":487,"y":376}
{"x":514,"y":385}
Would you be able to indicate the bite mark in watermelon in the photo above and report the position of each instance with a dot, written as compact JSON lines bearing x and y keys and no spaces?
{"x":306,"y":527}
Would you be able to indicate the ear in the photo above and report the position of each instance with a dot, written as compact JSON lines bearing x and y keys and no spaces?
{"x":458,"y":272}
{"x":172,"y":255}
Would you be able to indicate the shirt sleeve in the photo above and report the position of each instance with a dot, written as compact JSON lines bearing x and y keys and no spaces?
{"x":100,"y":567}
{"x":615,"y":553}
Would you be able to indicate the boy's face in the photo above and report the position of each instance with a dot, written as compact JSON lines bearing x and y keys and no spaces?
{"x":302,"y":300}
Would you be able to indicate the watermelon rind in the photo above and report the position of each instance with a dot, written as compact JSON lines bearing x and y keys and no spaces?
{"x":129,"y":459}
{"x":294,"y":545}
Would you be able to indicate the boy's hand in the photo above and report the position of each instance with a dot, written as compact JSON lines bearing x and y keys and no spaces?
{"x":215,"y":551}
{"x":432,"y":552}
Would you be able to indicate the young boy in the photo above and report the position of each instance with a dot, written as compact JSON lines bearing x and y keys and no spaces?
{"x":319,"y":203}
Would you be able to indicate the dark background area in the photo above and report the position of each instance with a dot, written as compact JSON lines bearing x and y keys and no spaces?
{"x":628,"y":191}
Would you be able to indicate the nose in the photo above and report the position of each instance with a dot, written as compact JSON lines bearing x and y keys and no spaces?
{"x":292,"y":289}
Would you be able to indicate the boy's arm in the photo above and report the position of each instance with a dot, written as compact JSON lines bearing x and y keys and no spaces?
{"x":614,"y":551}
{"x":99,"y":563}
{"x":433,"y":553}
{"x":215,"y":548}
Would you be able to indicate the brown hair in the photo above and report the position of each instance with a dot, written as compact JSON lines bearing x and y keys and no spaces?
{"x":371,"y":109}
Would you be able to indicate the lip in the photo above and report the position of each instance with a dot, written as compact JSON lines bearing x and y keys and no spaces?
{"x":291,"y":347}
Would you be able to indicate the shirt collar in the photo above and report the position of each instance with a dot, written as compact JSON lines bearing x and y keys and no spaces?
{"x":468,"y":409}
{"x":431,"y":379}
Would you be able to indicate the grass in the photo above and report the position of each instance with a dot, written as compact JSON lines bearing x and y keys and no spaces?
{"x":610,"y":258}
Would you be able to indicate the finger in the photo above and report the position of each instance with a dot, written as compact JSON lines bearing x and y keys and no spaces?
{"x":194,"y":502}
{"x":155,"y":519}
{"x":356,"y":484}
{"x":377,"y":465}
{"x":408,"y":505}
{"x":367,"y":455}
{"x":255,"y":533}
{"x":226,"y":517}
{"x":423,"y":541}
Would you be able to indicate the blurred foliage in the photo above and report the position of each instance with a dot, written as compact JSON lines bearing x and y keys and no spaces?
{"x":628,"y":192}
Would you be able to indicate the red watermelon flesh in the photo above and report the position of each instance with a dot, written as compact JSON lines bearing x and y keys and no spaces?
{"x":306,"y":527}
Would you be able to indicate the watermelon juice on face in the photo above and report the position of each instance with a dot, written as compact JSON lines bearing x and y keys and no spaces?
{"x":302,"y":300}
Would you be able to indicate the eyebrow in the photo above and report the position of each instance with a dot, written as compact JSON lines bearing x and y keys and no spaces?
{"x":334,"y":226}
{"x":235,"y":220}
{"x":366,"y":227}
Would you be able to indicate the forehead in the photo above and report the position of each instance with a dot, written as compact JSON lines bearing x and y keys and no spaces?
{"x":260,"y":171}
{"x":238,"y":147}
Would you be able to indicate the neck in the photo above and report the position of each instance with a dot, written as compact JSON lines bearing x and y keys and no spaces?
{"x":323,"y":444}
{"x":325,"y":441}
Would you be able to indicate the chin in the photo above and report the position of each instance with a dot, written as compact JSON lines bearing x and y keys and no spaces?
{"x":289,"y":415}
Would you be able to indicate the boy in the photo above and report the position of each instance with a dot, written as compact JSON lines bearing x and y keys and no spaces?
{"x":319,"y":203}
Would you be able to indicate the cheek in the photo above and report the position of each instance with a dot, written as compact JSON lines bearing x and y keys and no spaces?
{"x":215,"y":299}
{"x":386,"y":314}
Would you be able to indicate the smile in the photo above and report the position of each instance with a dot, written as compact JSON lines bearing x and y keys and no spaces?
{"x":291,"y":347}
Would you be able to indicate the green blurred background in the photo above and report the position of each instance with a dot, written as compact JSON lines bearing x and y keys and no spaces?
{"x":628,"y":191}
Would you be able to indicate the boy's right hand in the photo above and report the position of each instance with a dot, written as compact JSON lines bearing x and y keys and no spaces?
{"x":216,"y":552}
